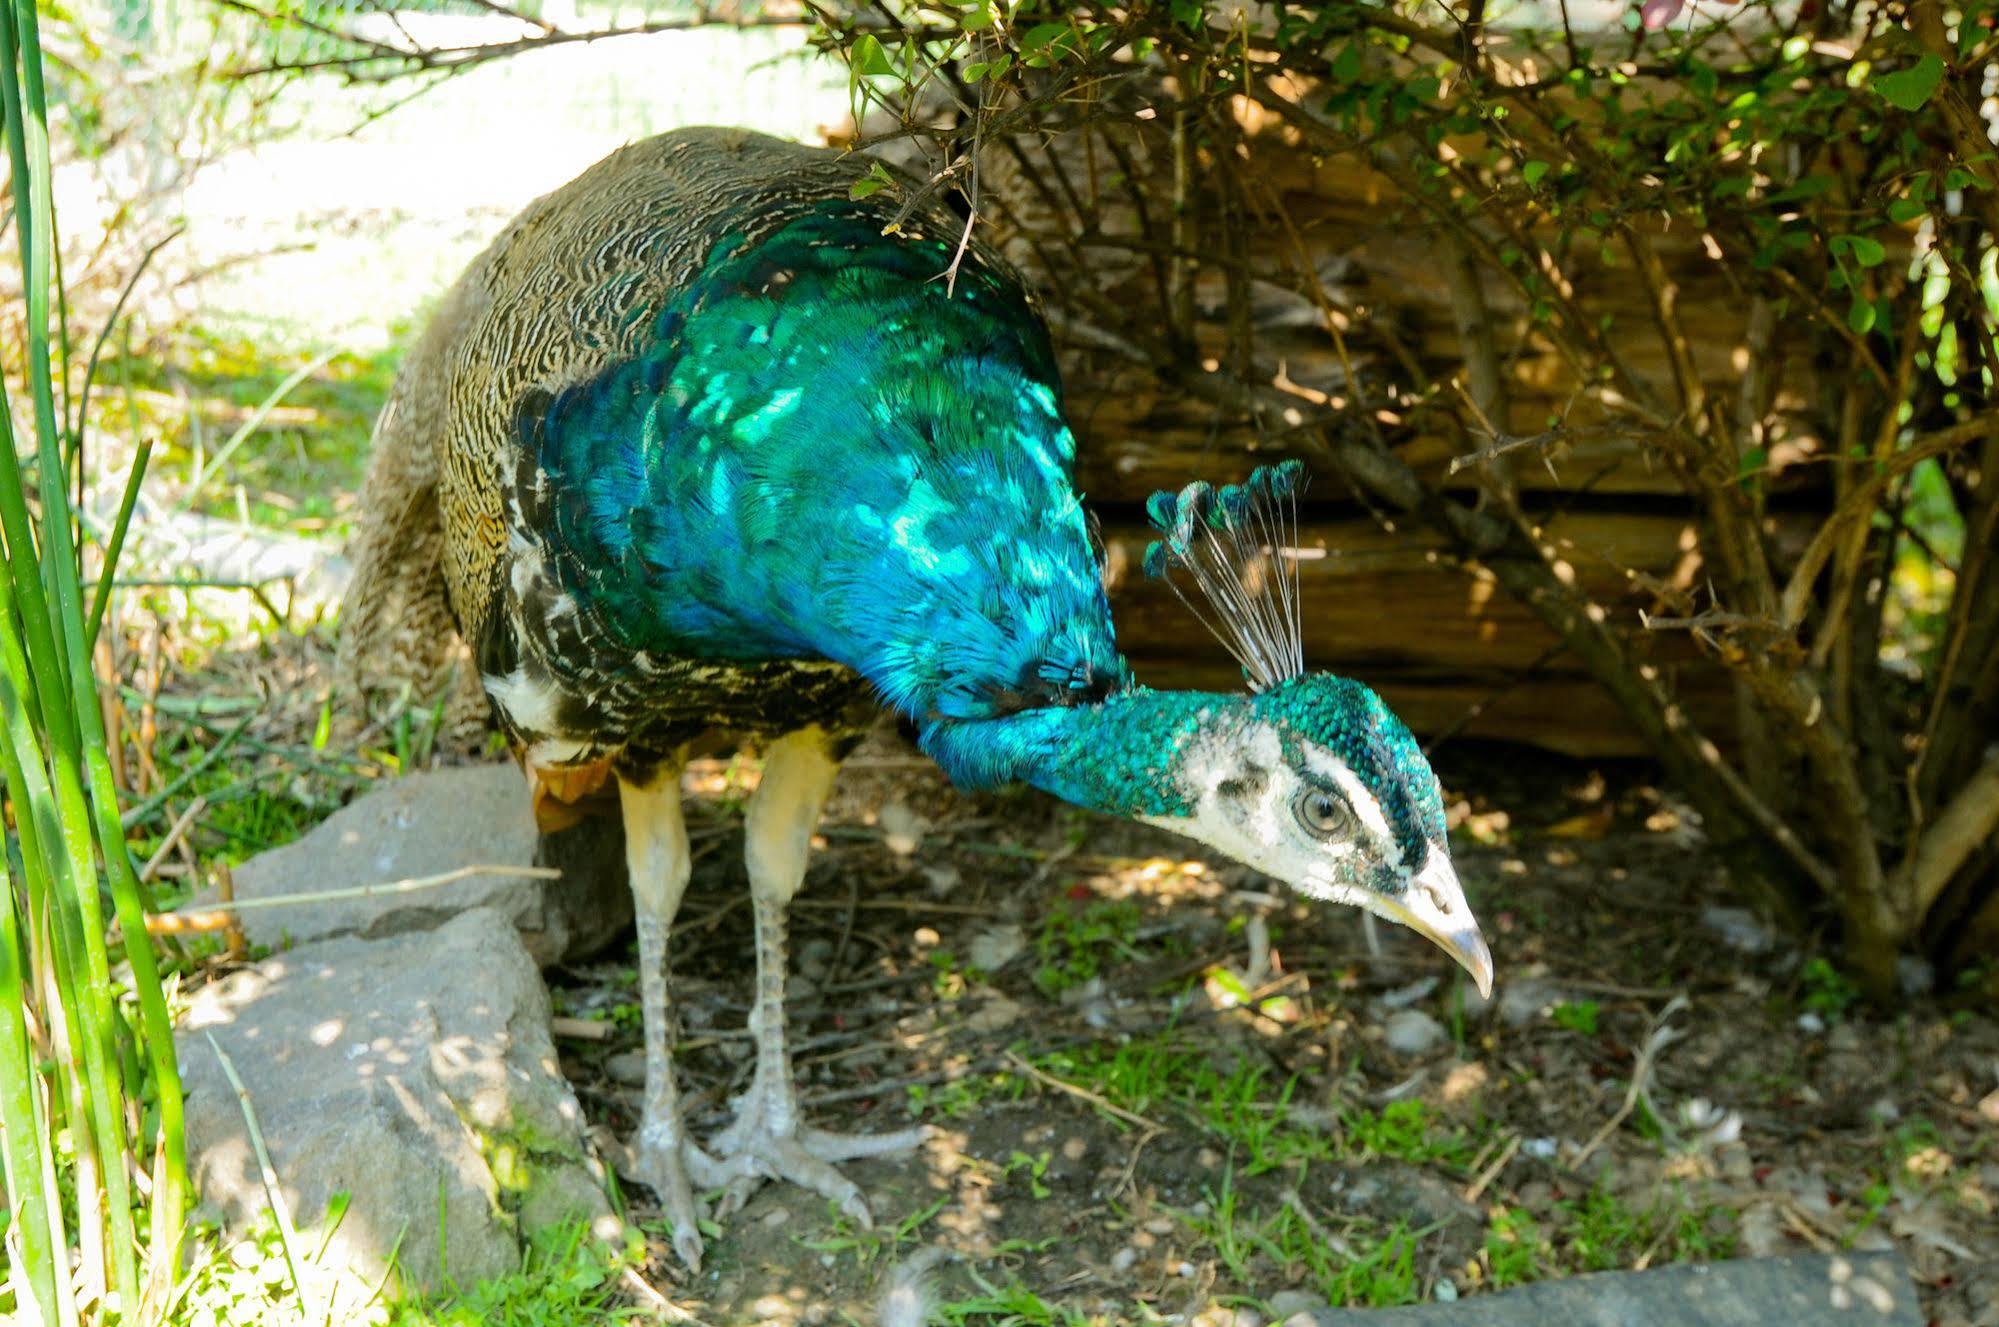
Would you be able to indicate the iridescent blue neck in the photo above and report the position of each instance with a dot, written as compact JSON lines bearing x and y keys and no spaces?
{"x":1120,"y":755}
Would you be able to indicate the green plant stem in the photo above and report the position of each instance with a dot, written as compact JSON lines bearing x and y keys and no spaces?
{"x":115,"y":545}
{"x":28,"y":1166}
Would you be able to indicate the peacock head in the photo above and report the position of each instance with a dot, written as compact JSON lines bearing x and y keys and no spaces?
{"x":1310,"y":778}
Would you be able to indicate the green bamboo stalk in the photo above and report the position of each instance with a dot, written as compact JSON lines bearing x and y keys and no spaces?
{"x":59,"y":552}
{"x":114,"y":547}
{"x":30,"y":1174}
{"x":52,"y":747}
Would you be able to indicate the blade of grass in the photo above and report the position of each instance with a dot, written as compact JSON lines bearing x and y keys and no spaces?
{"x":253,"y":423}
{"x":30,"y":1174}
{"x":114,"y":546}
{"x":267,"y":1173}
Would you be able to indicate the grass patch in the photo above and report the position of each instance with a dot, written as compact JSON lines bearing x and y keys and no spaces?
{"x":1601,"y":1232}
{"x":1250,"y":1109}
{"x":568,"y":1277}
{"x":1075,"y":944}
{"x":1365,"y":1264}
{"x":868,"y":1247}
{"x":311,"y":443}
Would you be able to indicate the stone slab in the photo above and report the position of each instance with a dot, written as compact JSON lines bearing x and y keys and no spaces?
{"x":414,"y":1073}
{"x":431,"y":823}
{"x":1838,"y":1290}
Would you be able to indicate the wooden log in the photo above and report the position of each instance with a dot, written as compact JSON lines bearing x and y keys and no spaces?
{"x":1557,"y":710}
{"x":1437,"y":637}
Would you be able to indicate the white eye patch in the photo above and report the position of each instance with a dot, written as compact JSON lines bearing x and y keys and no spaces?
{"x":1331,"y":768}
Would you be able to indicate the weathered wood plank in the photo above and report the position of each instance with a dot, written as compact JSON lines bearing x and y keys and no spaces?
{"x":1437,"y":638}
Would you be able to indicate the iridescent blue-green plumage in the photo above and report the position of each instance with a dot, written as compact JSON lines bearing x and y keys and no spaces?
{"x":828,"y":450}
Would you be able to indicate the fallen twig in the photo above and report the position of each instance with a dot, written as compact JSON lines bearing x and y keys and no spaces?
{"x":266,"y":1172}
{"x":180,"y":827}
{"x":1660,"y":1037}
{"x":1491,"y":1172}
{"x":215,"y":915}
{"x":1080,"y":1093}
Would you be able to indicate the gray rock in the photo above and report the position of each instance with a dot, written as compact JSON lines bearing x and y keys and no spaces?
{"x":431,"y":823}
{"x":1287,"y":1302}
{"x":1523,"y":1002}
{"x":1412,"y":1032}
{"x":1739,"y":928}
{"x":1864,"y":1290}
{"x":413,"y":1073}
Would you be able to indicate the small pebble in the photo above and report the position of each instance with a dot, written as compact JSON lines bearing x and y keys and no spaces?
{"x":996,"y":946}
{"x":1738,"y":928}
{"x":1539,"y":1149}
{"x":902,"y":829}
{"x":1404,"y":996}
{"x":1286,"y":1303}
{"x":1412,"y":1032}
{"x":1810,"y":1023}
{"x":1124,"y":1260}
{"x":627,"y":1067}
{"x":815,"y":956}
{"x":777,"y":1216}
{"x":1523,"y":1002}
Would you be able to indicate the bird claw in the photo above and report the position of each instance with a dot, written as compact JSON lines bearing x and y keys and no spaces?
{"x":806,"y":1157}
{"x":667,"y":1169}
{"x":662,"y":1167}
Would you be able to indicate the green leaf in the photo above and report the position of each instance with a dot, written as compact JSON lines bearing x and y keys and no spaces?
{"x":1346,"y":65}
{"x":876,"y":180}
{"x":1866,"y":251}
{"x":870,"y":56}
{"x":1533,"y":171}
{"x":1904,"y":210}
{"x":1860,"y":317}
{"x":1910,"y":89}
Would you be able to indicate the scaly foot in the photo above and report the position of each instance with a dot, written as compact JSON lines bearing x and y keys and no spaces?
{"x":765,"y":1142}
{"x":664,"y":1162}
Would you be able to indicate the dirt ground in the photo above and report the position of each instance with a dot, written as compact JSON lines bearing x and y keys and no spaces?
{"x":1142,"y":1111}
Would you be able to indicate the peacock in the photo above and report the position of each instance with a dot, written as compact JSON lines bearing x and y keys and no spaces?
{"x":711,"y":446}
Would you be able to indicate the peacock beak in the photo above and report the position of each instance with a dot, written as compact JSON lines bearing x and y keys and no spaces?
{"x":1434,"y":907}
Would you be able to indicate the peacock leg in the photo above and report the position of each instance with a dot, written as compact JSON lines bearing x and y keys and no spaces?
{"x":766,"y":1131}
{"x":657,"y":857}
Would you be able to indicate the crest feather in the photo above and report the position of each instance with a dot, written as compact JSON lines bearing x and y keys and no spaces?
{"x":1238,"y":545}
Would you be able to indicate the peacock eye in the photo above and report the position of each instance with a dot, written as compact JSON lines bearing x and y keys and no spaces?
{"x":1323,"y":815}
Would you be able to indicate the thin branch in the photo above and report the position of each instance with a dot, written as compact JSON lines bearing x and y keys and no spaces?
{"x":1966,"y":823}
{"x":1861,"y":503}
{"x":212,"y":916}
